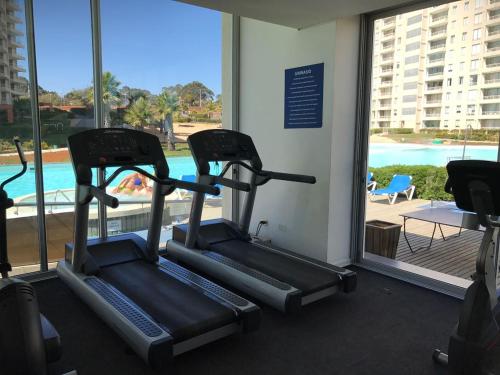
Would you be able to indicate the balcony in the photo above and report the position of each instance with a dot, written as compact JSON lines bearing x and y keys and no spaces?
{"x":388,"y":57}
{"x":388,"y":36}
{"x":439,"y":20}
{"x":493,"y":98}
{"x":492,"y":51}
{"x":385,"y":83}
{"x":434,"y":88}
{"x":433,"y":103}
{"x":437,"y":33}
{"x":388,"y":47}
{"x":435,"y":47}
{"x":492,"y":81}
{"x":17,"y":68}
{"x":388,"y":22}
{"x":386,"y":72}
{"x":492,"y":66}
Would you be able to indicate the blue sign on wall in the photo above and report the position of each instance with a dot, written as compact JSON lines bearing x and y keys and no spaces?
{"x":304,"y":97}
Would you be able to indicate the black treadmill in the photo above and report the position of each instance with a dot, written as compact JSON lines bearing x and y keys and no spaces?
{"x":158,"y":307}
{"x":225,"y":251}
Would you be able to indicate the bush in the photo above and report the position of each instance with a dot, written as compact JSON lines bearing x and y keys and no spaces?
{"x":400,"y":131}
{"x":376,"y":131}
{"x":429,"y":180}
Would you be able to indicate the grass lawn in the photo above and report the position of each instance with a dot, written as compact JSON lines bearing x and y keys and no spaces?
{"x":181,"y":149}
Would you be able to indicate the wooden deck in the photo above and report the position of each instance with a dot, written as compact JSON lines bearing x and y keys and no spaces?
{"x":456,"y":256}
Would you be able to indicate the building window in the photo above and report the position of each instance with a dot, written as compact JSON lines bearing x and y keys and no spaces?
{"x":414,"y":19}
{"x":473,"y":80}
{"x":466,"y":5}
{"x":472,"y":95}
{"x":409,"y":111}
{"x":462,"y":66}
{"x":479,"y":3}
{"x":476,"y":34}
{"x":460,"y":80}
{"x":459,"y":108}
{"x":471,"y":109}
{"x":478,"y":18}
{"x":476,"y":48}
{"x":474,"y":64}
{"x":466,"y":21}
{"x":449,"y":81}
{"x":452,"y":39}
{"x":464,"y":36}
{"x":459,"y":95}
{"x":448,"y":96}
{"x":446,"y":110}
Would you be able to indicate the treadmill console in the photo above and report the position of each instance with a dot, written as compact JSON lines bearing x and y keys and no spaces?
{"x":222,"y":145}
{"x":101,"y":148}
{"x":462,"y":172}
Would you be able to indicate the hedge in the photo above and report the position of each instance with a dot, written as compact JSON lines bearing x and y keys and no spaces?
{"x":429,"y":180}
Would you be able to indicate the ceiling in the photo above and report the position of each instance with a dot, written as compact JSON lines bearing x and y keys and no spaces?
{"x":296,"y":13}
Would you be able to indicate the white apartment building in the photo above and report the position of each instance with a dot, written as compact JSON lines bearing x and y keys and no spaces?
{"x":438,"y":68}
{"x":11,"y":84}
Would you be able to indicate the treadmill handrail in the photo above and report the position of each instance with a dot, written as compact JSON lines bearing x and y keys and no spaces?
{"x":193,"y":186}
{"x":265,"y":176}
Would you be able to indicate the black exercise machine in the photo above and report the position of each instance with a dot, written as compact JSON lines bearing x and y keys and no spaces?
{"x":475,"y":186}
{"x":225,"y":250}
{"x":28,"y":341}
{"x":158,"y":307}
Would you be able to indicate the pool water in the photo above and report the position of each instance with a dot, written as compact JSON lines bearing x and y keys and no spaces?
{"x":58,"y":176}
{"x":381,"y":155}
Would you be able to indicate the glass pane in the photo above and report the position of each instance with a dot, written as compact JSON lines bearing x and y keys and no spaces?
{"x":64,"y":62}
{"x":15,"y":120}
{"x":162,"y":76}
{"x":435,"y":85}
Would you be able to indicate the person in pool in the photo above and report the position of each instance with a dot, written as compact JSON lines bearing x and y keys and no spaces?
{"x":134,"y":183}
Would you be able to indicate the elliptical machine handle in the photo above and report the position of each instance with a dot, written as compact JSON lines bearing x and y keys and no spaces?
{"x":20,"y":150}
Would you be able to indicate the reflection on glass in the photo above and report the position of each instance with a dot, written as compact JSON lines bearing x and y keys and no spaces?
{"x":164,"y":81}
{"x":64,"y":63}
{"x":15,"y":120}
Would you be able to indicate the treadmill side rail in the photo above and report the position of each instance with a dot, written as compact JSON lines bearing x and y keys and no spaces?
{"x":248,"y":311}
{"x":349,"y":278}
{"x":155,"y":348}
{"x":286,"y":300}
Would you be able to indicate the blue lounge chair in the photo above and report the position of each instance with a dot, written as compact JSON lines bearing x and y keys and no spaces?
{"x":370,"y":185}
{"x":400,"y":183}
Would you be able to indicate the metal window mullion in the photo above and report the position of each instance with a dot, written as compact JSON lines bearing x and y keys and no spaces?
{"x":37,"y":140}
{"x":98,"y":104}
{"x":235,"y":110}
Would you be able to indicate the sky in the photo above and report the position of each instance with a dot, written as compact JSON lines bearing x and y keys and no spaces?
{"x":146,"y":44}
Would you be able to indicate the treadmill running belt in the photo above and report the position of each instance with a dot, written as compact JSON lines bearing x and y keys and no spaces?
{"x":183,"y":310}
{"x":304,"y":276}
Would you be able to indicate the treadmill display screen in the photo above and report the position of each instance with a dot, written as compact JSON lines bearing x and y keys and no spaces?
{"x":222,"y":145}
{"x":114,"y":147}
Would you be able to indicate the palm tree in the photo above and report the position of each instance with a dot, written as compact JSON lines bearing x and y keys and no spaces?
{"x":110,"y":95}
{"x":165,"y":106}
{"x":139,"y":114}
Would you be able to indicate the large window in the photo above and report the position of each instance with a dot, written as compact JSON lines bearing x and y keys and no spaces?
{"x":161,"y":74}
{"x":16,"y":120}
{"x":411,"y":223}
{"x":66,"y":107}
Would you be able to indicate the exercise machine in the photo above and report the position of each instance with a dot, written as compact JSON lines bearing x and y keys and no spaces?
{"x":475,"y":185}
{"x":158,"y":307}
{"x":225,"y":250}
{"x":28,"y":341}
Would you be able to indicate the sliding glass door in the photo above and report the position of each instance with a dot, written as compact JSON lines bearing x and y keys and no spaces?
{"x":433,"y":98}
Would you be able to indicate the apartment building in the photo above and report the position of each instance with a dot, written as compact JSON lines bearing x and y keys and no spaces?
{"x":11,"y":84}
{"x":438,"y":68}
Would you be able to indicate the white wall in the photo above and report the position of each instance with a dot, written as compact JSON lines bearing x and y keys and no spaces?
{"x":311,"y":219}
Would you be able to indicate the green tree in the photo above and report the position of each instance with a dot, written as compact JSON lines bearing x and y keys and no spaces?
{"x":110,"y":95}
{"x":130,"y":94}
{"x":78,"y":97}
{"x":165,"y":106}
{"x":196,"y":93}
{"x":139,"y":114}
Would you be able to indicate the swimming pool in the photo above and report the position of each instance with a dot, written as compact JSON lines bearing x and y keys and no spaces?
{"x":59,"y":176}
{"x":412,"y":154}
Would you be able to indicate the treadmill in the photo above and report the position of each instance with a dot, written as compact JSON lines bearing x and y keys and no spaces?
{"x":225,"y":251}
{"x":158,"y":307}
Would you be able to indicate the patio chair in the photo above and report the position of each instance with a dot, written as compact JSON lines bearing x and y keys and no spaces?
{"x":370,"y":185}
{"x":400,"y":183}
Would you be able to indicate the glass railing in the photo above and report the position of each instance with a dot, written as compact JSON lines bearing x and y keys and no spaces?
{"x":441,"y":18}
